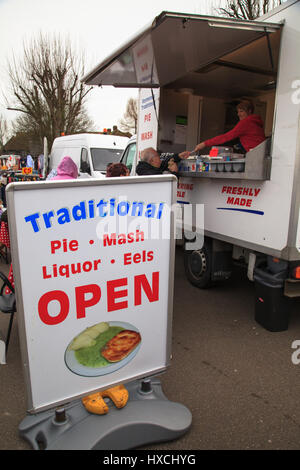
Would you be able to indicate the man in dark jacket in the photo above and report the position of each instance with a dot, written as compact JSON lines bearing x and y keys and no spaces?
{"x":153,"y":164}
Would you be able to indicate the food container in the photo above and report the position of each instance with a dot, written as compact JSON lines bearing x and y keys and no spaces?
{"x":220,"y":166}
{"x":238,"y":166}
{"x":181,"y":166}
{"x":226,"y":153}
{"x":199,"y":165}
{"x":218,"y":151}
{"x":213,"y":167}
{"x":228,"y":167}
{"x":193,"y":166}
{"x":190,"y":164}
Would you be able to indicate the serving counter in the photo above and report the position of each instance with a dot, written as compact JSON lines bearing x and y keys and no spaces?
{"x":256,"y":165}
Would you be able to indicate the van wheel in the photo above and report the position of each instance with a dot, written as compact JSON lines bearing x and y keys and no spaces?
{"x":197,"y":264}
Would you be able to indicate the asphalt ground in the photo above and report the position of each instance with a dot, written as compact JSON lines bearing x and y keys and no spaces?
{"x":236,"y":378}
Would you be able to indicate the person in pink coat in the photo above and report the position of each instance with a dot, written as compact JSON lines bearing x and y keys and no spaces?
{"x":66,"y":170}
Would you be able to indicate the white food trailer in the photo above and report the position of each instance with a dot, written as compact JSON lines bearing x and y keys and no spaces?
{"x":192,"y":70}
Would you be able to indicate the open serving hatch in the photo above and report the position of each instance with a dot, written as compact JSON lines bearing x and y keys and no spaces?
{"x":197,"y":48}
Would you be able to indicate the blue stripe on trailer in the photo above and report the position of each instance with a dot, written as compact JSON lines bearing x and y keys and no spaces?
{"x":240,"y":210}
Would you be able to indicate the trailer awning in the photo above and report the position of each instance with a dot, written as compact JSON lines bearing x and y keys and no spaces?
{"x":176,"y":45}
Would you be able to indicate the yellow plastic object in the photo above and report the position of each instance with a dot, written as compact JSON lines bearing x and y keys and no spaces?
{"x":95,"y":404}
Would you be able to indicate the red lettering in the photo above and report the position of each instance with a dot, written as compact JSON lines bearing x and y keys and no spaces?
{"x":136,"y":258}
{"x":45,"y":274}
{"x":109,"y":241}
{"x":146,"y":135}
{"x":151,"y":293}
{"x":130,"y":237}
{"x":112,"y":295}
{"x":190,"y":186}
{"x":249,"y":202}
{"x":139,"y":234}
{"x":55,"y":245}
{"x":256,"y":192}
{"x":73,"y":245}
{"x":44,"y":301}
{"x":230,"y":200}
{"x":127,"y":258}
{"x":81,"y":302}
{"x":142,"y":51}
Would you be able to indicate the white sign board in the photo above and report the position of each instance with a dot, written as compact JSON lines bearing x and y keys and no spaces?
{"x":93,"y":265}
{"x":148,"y":98}
{"x":148,"y":119}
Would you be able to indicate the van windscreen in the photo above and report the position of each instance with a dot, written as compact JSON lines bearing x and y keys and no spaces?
{"x":102,"y":157}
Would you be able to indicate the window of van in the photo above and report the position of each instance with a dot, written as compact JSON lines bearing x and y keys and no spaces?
{"x":84,"y":161}
{"x":102,"y":157}
{"x":129,"y":155}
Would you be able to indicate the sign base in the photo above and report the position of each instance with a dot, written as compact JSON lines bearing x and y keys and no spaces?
{"x":148,"y":417}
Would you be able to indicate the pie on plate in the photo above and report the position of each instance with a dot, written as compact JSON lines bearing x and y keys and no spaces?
{"x":121,"y":345}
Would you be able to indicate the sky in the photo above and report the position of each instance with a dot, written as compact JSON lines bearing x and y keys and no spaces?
{"x":97,"y":27}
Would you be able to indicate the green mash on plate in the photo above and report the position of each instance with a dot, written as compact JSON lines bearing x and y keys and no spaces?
{"x":90,"y":356}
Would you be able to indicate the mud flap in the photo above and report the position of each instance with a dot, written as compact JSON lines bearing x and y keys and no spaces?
{"x":221,"y":261}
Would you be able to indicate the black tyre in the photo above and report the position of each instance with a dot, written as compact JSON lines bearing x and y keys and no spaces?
{"x":198,"y":264}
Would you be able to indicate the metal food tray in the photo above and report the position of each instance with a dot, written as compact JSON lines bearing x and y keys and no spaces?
{"x":257,"y":167}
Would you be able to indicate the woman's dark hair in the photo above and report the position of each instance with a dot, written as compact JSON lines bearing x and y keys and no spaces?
{"x":116,"y":169}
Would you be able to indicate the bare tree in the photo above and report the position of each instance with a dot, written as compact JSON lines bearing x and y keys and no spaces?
{"x":129,"y":121}
{"x":46,"y":87}
{"x":247,"y":9}
{"x":4,"y":132}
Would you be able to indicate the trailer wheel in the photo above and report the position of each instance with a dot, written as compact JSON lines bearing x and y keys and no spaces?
{"x":198,"y":265}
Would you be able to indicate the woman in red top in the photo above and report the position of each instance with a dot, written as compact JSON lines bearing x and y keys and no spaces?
{"x":249,"y":130}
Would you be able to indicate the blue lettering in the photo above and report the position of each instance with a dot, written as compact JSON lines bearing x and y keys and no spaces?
{"x":32,"y":218}
{"x":150,"y":210}
{"x":112,"y":206}
{"x":135,"y":205}
{"x":100,"y":206}
{"x":79,"y":211}
{"x":160,"y":209}
{"x":64,"y":216}
{"x":47,"y":216}
{"x":91,"y":209}
{"x":125,"y":205}
{"x":87,"y":209}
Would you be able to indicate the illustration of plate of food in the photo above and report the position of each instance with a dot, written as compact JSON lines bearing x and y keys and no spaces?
{"x":102,"y":348}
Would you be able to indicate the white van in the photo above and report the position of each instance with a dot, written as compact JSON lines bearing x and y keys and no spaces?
{"x":90,"y":152}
